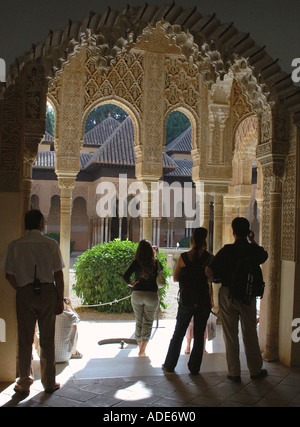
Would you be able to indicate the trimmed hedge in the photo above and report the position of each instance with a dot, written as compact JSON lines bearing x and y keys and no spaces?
{"x":56,"y":236}
{"x":185,"y":242}
{"x":99,"y":275}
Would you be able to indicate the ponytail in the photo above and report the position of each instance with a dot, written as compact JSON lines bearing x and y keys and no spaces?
{"x":198,"y":240}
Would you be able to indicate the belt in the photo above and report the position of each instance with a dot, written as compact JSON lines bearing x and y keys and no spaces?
{"x":41,"y":283}
{"x":37,"y":286}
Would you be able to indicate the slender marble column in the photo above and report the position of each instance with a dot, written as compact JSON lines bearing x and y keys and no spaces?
{"x":146,"y":209}
{"x":120,"y":228}
{"x":102,"y":231}
{"x":66,"y":186}
{"x":158,"y":233}
{"x":271,"y":352}
{"x":218,"y":223}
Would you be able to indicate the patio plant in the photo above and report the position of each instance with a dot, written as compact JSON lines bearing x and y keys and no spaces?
{"x":56,"y":236}
{"x":185,"y":242}
{"x":99,"y":275}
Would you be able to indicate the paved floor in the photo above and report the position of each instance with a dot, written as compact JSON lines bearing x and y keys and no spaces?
{"x":115,"y":377}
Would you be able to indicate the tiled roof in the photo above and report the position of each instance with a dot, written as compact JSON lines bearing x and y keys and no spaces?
{"x":100,"y":133}
{"x":96,"y":136}
{"x":46,"y":159}
{"x":48,"y":138}
{"x":84,"y":159}
{"x":119,"y":148}
{"x":181,"y":144}
{"x":184,"y":168}
{"x":168,"y":162}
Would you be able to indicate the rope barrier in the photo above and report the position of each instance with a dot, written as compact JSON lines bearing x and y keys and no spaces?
{"x":102,"y":304}
{"x":111,"y":303}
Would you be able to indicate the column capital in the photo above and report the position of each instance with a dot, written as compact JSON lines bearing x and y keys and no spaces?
{"x":66,"y":182}
{"x":211,"y":187}
{"x":31,"y":149}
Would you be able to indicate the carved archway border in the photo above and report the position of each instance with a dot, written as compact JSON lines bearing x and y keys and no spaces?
{"x":55,"y":105}
{"x":122,"y":103}
{"x":246,"y":141}
{"x":255,"y":93}
{"x":191,"y":115}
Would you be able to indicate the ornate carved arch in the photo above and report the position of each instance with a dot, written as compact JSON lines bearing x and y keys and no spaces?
{"x":193,"y":118}
{"x":125,"y":105}
{"x":246,"y":140}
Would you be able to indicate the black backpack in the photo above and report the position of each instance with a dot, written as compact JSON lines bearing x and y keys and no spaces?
{"x":193,"y":284}
{"x":246,"y":281}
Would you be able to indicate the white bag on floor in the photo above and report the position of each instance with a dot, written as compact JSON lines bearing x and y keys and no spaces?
{"x":211,"y":327}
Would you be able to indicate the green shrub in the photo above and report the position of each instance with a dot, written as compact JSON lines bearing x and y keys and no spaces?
{"x":99,"y":275}
{"x":167,"y":273}
{"x":56,"y":236}
{"x":185,"y":242}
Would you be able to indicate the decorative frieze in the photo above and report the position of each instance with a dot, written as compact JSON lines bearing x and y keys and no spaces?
{"x":289,"y":199}
{"x":11,"y":139}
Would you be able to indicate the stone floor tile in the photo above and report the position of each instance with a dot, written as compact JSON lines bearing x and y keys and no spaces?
{"x":234,"y":404}
{"x":81,"y":395}
{"x":101,"y":400}
{"x":182,"y":395}
{"x":161,"y":391}
{"x":295,"y":400}
{"x":223,"y":390}
{"x":207,"y":401}
{"x":165,"y":401}
{"x":270,"y":403}
{"x":292,"y":379}
{"x":138,"y":400}
{"x":61,"y":402}
{"x":245,"y":398}
{"x":282,"y":392}
{"x":98,"y":388}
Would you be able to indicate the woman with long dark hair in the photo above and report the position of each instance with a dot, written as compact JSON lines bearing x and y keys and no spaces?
{"x":196,"y":259}
{"x":144,"y":298}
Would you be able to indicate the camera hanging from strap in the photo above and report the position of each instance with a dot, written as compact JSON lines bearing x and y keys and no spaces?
{"x":36,"y":284}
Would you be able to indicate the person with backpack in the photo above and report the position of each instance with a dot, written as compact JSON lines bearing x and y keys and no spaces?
{"x":194,"y":301}
{"x":237,"y":267}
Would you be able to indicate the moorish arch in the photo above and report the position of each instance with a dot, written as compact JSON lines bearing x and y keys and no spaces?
{"x":240,"y":189}
{"x":153,"y":60}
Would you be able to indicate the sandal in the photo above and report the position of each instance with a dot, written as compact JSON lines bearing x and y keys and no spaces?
{"x":51,"y":390}
{"x":21,"y":390}
{"x":77,"y":355}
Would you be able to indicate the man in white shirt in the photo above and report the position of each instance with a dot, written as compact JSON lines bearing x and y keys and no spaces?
{"x":33,"y":266}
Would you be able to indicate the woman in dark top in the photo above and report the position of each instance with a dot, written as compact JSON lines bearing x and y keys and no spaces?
{"x":144,"y":297}
{"x":200,"y":312}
